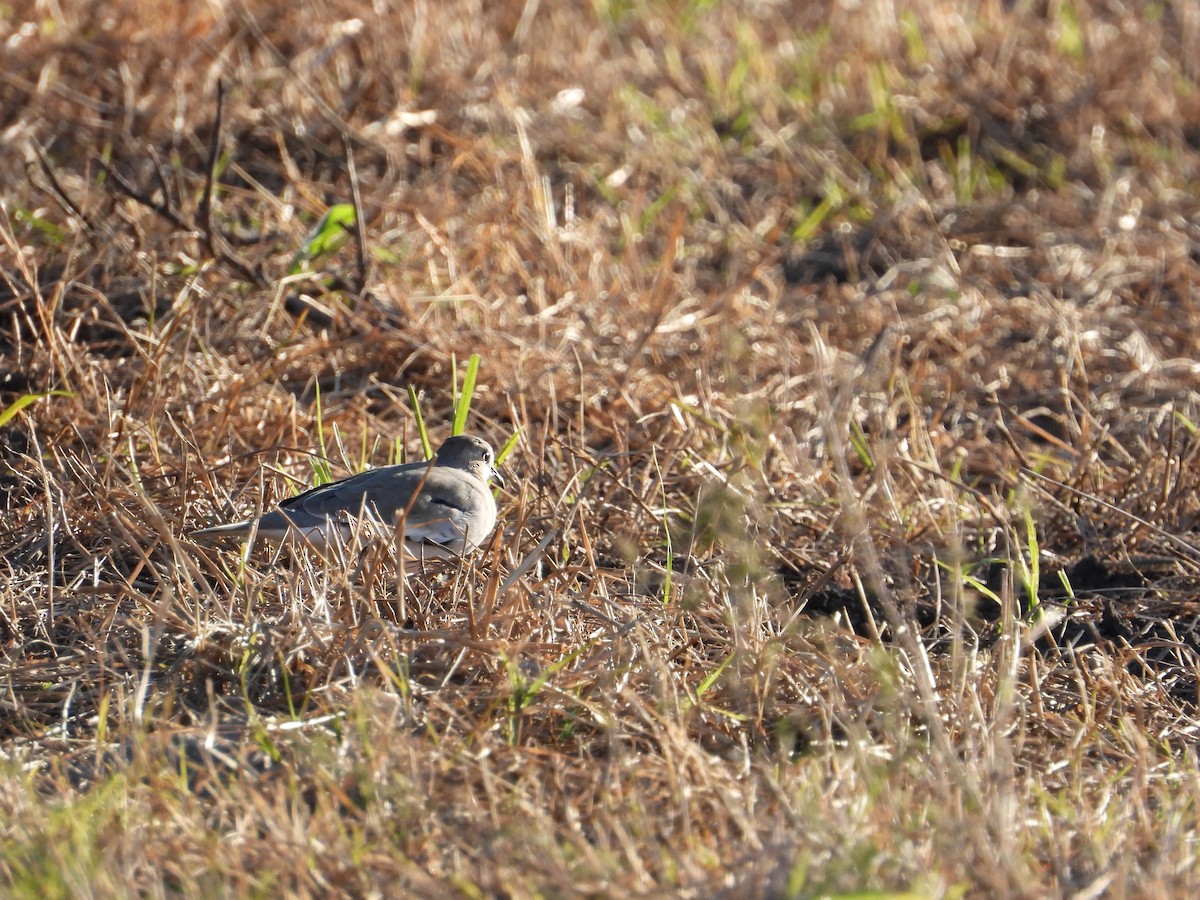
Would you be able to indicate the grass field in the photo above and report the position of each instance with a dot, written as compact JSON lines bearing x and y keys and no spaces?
{"x":850,"y":353}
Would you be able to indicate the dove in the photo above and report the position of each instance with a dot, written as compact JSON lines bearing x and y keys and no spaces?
{"x":446,"y":503}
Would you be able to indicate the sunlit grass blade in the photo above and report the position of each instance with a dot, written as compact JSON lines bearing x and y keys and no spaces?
{"x":508,"y":446}
{"x":462,"y":399}
{"x":415,"y":402}
{"x":669,"y":565}
{"x":27,"y":400}
{"x":322,"y":471}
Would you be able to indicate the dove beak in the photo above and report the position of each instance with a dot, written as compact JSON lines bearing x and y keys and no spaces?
{"x":498,"y":478}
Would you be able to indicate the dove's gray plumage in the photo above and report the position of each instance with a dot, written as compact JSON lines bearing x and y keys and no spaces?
{"x":446,"y":503}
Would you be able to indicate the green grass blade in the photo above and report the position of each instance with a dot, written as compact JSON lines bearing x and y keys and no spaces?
{"x":711,"y":678}
{"x":1032,"y":571}
{"x":669,"y":567}
{"x":508,"y":446}
{"x":415,"y":402}
{"x":20,"y":403}
{"x":325,"y":239}
{"x":462,"y":401}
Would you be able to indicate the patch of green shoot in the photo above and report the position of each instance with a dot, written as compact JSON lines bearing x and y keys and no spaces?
{"x":262,"y":738}
{"x":666,"y":526}
{"x":956,"y":469}
{"x":1013,"y":160}
{"x":326,"y":238}
{"x":886,"y":114}
{"x":973,"y":582}
{"x":524,"y":691}
{"x":812,"y":219}
{"x":287,"y":691}
{"x":706,"y":684}
{"x":102,"y":720}
{"x":223,"y":161}
{"x":914,"y":41}
{"x":858,"y":441}
{"x":365,"y":453}
{"x":1066,"y":583}
{"x":1031,"y":562}
{"x":1056,"y":172}
{"x":612,"y":12}
{"x":711,"y":678}
{"x":571,"y":496}
{"x":651,"y":213}
{"x":696,"y":413}
{"x":1070,"y":33}
{"x":56,"y":234}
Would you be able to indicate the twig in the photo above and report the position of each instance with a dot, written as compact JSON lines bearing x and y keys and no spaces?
{"x":214,"y":242}
{"x":162,"y":178}
{"x":59,"y":191}
{"x":163,"y":209}
{"x":210,"y":174}
{"x":360,"y":237}
{"x":1031,"y":476}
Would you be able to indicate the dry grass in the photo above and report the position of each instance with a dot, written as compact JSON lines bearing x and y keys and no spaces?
{"x":851,"y":545}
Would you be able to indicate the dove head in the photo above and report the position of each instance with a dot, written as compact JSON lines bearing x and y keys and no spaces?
{"x":473,"y":454}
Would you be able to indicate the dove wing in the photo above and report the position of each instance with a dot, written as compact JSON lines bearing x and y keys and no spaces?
{"x":381,"y":491}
